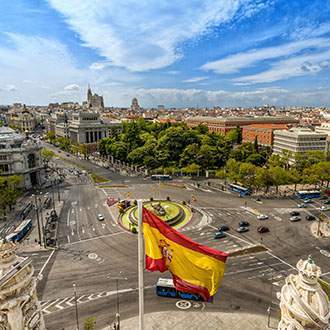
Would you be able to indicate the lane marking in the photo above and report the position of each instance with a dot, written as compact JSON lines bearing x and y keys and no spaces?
{"x":98,"y":237}
{"x":45,"y":264}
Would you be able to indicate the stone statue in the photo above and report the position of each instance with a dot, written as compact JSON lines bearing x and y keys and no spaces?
{"x":19,"y":305}
{"x":159,"y":209}
{"x":304,"y":305}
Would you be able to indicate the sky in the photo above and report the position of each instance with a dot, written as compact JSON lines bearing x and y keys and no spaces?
{"x":175,"y":53}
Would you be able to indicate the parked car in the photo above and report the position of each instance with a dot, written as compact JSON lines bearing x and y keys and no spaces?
{"x":295,"y":218}
{"x":262,"y":229}
{"x":326,"y":202}
{"x":293,"y":213}
{"x":307,"y":201}
{"x":100,"y":217}
{"x":322,"y":198}
{"x":301,"y":205}
{"x":244,"y":224}
{"x":219,"y":234}
{"x":262,"y":217}
{"x":242,"y":229}
{"x":324,"y":208}
{"x":224,"y":228}
{"x":310,"y":217}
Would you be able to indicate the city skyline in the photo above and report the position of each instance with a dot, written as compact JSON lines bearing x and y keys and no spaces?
{"x":226,"y":53}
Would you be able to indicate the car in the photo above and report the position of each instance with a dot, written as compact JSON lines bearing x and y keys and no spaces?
{"x":310,"y":217}
{"x":223,"y":228}
{"x":100,"y":217}
{"x":322,"y":198}
{"x":324,"y":208}
{"x":219,"y":234}
{"x":262,"y":217}
{"x":295,"y":218}
{"x":326,"y":202}
{"x":242,"y":229}
{"x":244,"y":224}
{"x":293,"y":213}
{"x":262,"y":229}
{"x":307,"y":201}
{"x":301,"y":205}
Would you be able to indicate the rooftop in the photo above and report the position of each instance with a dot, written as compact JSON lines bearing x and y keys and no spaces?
{"x":8,"y":134}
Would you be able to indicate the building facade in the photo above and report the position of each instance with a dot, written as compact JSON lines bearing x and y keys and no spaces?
{"x":263,"y":132}
{"x":21,"y":118}
{"x":135,"y":105}
{"x":94,"y":101}
{"x":298,"y":141}
{"x":20,"y":156}
{"x":224,"y":124}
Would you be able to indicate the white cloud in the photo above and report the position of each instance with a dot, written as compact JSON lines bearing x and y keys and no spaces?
{"x":293,"y":67}
{"x":99,"y":65}
{"x":194,"y":79}
{"x":145,"y":34}
{"x":197,"y":97}
{"x":72,"y":87}
{"x":236,"y":62}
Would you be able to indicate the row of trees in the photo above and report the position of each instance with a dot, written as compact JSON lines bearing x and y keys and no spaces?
{"x":176,"y":148}
{"x":311,"y":168}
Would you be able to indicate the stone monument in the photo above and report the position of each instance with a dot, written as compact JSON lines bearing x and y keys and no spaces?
{"x":304,"y":305}
{"x":19,"y":305}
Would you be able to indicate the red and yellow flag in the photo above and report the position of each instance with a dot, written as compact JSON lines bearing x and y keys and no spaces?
{"x":195,"y":268}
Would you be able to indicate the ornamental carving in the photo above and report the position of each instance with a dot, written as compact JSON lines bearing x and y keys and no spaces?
{"x":304,"y":305}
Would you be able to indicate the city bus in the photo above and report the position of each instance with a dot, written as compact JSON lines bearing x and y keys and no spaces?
{"x":161,"y":177}
{"x":239,"y":189}
{"x":308,"y":194}
{"x":165,"y":288}
{"x":20,"y":231}
{"x":26,"y":210}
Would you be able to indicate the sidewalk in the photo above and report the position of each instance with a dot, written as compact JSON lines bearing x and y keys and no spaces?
{"x":199,"y":321}
{"x":323,"y":228}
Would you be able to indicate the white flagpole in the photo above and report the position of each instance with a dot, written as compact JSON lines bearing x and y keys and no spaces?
{"x":141,"y":266}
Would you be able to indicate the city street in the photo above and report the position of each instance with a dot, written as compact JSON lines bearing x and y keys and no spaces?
{"x":91,"y":252}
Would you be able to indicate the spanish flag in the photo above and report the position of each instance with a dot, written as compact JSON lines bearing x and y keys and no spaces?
{"x":195,"y":268}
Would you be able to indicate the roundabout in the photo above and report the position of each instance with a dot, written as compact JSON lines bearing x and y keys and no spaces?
{"x":173,"y":213}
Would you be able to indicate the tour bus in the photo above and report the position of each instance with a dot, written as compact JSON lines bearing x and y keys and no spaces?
{"x":165,"y":288}
{"x":26,"y":210}
{"x":20,"y":231}
{"x":239,"y":189}
{"x":308,"y":194}
{"x":161,"y":177}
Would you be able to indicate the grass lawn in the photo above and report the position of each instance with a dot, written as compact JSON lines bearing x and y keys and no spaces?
{"x":98,"y":178}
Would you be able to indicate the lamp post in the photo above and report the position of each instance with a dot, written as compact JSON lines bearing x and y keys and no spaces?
{"x":38,"y":221}
{"x":117,"y":279}
{"x":76,"y":306}
{"x":42,"y":220}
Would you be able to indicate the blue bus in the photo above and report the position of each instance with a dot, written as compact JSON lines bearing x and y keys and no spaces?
{"x":239,"y":189}
{"x":308,"y":194}
{"x":165,"y":288}
{"x":20,"y":231}
{"x":161,"y":177}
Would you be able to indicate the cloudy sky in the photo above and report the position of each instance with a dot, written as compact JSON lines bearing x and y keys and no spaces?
{"x":176,"y":53}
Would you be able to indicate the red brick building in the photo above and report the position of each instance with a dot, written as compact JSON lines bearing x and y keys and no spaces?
{"x":263,"y":132}
{"x":225,"y":124}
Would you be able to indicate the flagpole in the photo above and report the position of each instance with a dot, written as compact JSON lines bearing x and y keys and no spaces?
{"x":141,"y":266}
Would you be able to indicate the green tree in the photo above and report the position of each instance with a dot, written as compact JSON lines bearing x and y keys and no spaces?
{"x":90,"y":323}
{"x":255,"y":144}
{"x":191,"y":169}
{"x":232,"y":170}
{"x":64,"y":143}
{"x":234,"y":136}
{"x":9,"y":192}
{"x":256,"y":159}
{"x":247,"y":174}
{"x":47,"y":154}
{"x":50,"y":136}
{"x":279,"y":176}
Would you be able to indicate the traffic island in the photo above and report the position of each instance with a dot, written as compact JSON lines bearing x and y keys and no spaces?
{"x":173,"y":213}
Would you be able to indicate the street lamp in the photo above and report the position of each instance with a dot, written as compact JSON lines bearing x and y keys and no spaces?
{"x":117,"y":279}
{"x":38,"y":221}
{"x":76,"y":306}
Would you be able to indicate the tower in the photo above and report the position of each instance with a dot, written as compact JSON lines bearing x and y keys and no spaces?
{"x":19,"y":305}
{"x":89,"y":97}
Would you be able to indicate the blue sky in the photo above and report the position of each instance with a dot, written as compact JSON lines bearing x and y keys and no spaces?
{"x":176,"y":53}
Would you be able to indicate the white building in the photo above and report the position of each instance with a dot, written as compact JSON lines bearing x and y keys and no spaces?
{"x":20,"y":156}
{"x":298,"y":140}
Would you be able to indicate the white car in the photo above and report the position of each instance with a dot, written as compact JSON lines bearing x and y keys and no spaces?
{"x":323,"y":208}
{"x":301,"y":205}
{"x":100,"y":217}
{"x":262,"y":217}
{"x":295,"y":218}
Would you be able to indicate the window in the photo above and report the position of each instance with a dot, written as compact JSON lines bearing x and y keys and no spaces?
{"x":4,"y":168}
{"x":3,"y":157}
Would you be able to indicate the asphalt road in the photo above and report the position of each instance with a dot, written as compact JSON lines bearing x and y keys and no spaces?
{"x":92,"y":253}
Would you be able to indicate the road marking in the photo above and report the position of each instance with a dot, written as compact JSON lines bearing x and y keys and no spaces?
{"x":98,"y":237}
{"x":43,"y":267}
{"x":241,"y":239}
{"x":183,"y":304}
{"x":68,"y":219}
{"x":251,"y":269}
